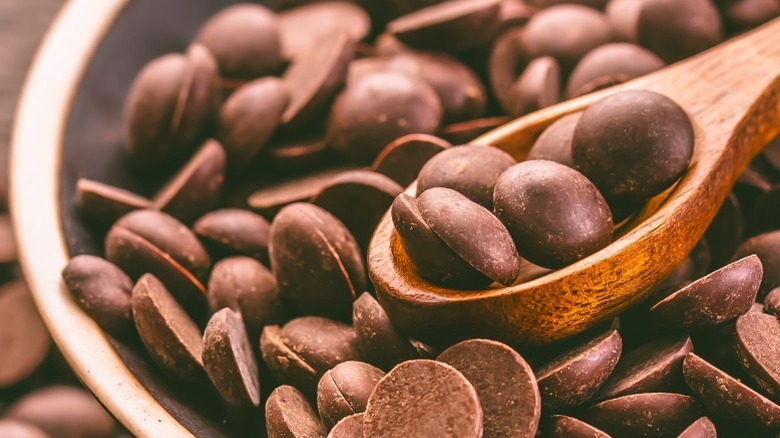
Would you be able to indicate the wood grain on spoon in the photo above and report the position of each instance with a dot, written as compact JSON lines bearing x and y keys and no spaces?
{"x":732,"y":95}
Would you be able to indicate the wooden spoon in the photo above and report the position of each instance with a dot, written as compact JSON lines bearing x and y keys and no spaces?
{"x":732,"y":95}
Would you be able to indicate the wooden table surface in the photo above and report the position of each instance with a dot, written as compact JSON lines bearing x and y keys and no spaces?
{"x":22,"y":25}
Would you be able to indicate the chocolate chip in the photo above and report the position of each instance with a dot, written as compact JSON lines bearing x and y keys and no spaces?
{"x":449,"y":26}
{"x":303,"y":28}
{"x":610,"y":64}
{"x":229,"y":232}
{"x":554,"y":143}
{"x":701,"y":428}
{"x":574,"y":376}
{"x":655,"y":414}
{"x":472,"y":232}
{"x":633,"y":144}
{"x":746,"y":14}
{"x":197,"y":187}
{"x":170,"y":107}
{"x":249,"y":117}
{"x":402,"y":159}
{"x":757,"y":350}
{"x":345,"y":389}
{"x":18,"y":429}
{"x":359,"y":199}
{"x":537,"y":87}
{"x":314,"y":79}
{"x":348,"y":427}
{"x":623,"y":16}
{"x":63,"y":411}
{"x":719,"y":297}
{"x":304,"y":235}
{"x":25,"y":340}
{"x":431,"y":257}
{"x":381,"y":344}
{"x":470,"y":170}
{"x":298,"y":155}
{"x":148,"y":241}
{"x":765,"y":247}
{"x":288,"y":414}
{"x":460,"y":91}
{"x":244,"y":39}
{"x":229,"y":359}
{"x":172,"y":339}
{"x":464,"y":132}
{"x":654,"y":366}
{"x":565,"y":32}
{"x":376,"y":110}
{"x":422,"y":398}
{"x":504,"y":382}
{"x":728,"y":398}
{"x":305,"y":348}
{"x":772,"y":302}
{"x":505,"y":62}
{"x":234,"y":276}
{"x":103,"y":291}
{"x":258,"y":297}
{"x":107,"y":203}
{"x":677,"y":30}
{"x":562,"y":426}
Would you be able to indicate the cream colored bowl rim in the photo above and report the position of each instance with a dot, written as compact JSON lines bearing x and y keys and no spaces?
{"x":36,"y":149}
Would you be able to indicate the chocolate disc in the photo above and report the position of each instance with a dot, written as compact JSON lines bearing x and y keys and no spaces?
{"x":758,"y":349}
{"x":653,"y":414}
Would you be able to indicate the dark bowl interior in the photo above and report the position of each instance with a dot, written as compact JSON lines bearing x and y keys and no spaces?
{"x":92,"y":148}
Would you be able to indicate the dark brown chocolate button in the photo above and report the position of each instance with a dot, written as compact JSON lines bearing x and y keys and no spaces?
{"x":654,"y":366}
{"x":449,"y":26}
{"x":229,"y":232}
{"x":298,"y":155}
{"x":249,"y":117}
{"x":574,"y":376}
{"x":515,"y":13}
{"x":719,"y":297}
{"x":701,"y":428}
{"x":197,"y":187}
{"x":345,"y":389}
{"x":360,"y":68}
{"x":565,"y":32}
{"x":270,"y":199}
{"x":727,"y":398}
{"x":555,"y":215}
{"x":623,"y":16}
{"x":348,"y":427}
{"x":633,"y":144}
{"x":537,"y":87}
{"x":654,"y":414}
{"x":430,"y":256}
{"x":464,"y":132}
{"x":772,"y":302}
{"x":554,"y":143}
{"x":504,"y":382}
{"x":148,"y":241}
{"x":305,"y":348}
{"x":229,"y":359}
{"x":107,"y":203}
{"x":315,"y":77}
{"x":562,"y":426}
{"x":244,"y":40}
{"x":103,"y":291}
{"x":402,"y":159}
{"x":379,"y":341}
{"x":757,"y":349}
{"x":25,"y":340}
{"x":747,"y":14}
{"x":765,"y":246}
{"x":302,"y":29}
{"x":470,"y":170}
{"x":610,"y":64}
{"x":258,"y":300}
{"x":505,"y":63}
{"x":19,"y":429}
{"x":304,"y":235}
{"x":725,"y":231}
{"x":460,"y":91}
{"x":423,"y":398}
{"x":63,"y":411}
{"x":288,"y":414}
{"x":677,"y":30}
{"x":359,"y":199}
{"x":170,"y":107}
{"x":376,"y":110}
{"x":234,"y":276}
{"x":172,"y":339}
{"x":472,"y":232}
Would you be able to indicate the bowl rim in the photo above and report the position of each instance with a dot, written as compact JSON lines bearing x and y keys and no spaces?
{"x":35,"y":158}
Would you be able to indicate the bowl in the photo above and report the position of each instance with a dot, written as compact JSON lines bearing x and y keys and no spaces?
{"x":68,"y":126}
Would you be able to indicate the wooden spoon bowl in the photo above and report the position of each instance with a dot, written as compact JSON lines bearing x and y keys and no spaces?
{"x":732,"y":95}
